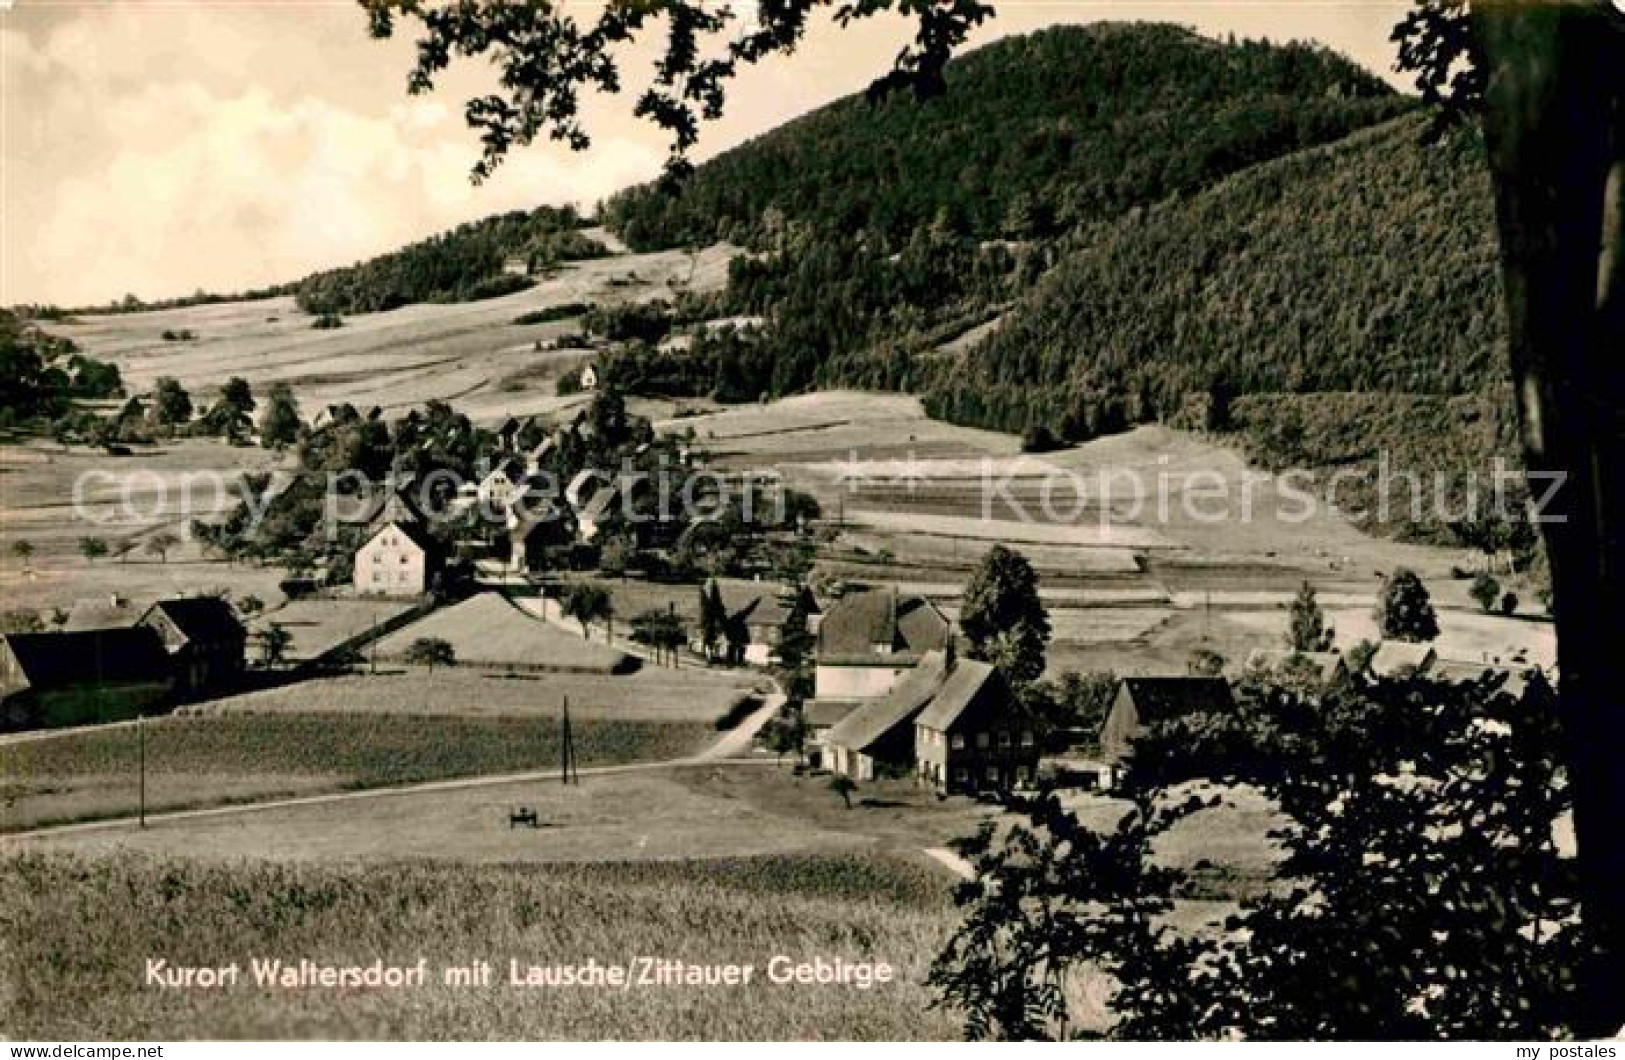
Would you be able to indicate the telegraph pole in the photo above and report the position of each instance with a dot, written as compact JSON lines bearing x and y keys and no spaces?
{"x":567,"y":750}
{"x":141,"y":767}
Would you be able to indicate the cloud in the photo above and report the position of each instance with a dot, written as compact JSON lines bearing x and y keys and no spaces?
{"x":123,"y":183}
{"x":158,"y":148}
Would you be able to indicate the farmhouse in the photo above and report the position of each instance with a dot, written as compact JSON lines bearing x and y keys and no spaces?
{"x":1320,"y":671}
{"x":203,"y":639}
{"x":497,"y":488}
{"x":537,"y":458}
{"x":1396,"y":657}
{"x":952,"y":723}
{"x":756,"y":616}
{"x":589,"y":378}
{"x":821,"y":716}
{"x":1144,"y":701}
{"x":102,"y":612}
{"x":56,"y":679}
{"x":536,"y":526}
{"x":975,"y":735}
{"x":877,"y":738}
{"x":1516,"y":681}
{"x":867,"y":641}
{"x":400,"y":558}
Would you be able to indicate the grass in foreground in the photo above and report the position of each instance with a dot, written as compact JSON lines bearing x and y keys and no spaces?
{"x":78,"y":931}
{"x":200,"y":761}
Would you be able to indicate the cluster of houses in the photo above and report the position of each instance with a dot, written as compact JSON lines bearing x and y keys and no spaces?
{"x":113,"y":661}
{"x":893,"y":699}
{"x":521,"y":520}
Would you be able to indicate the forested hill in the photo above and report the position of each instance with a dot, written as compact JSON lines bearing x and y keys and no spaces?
{"x":1036,"y":135}
{"x":459,"y":265}
{"x":1368,"y":265}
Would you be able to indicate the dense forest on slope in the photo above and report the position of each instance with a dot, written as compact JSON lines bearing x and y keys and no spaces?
{"x":463,"y":264}
{"x":1037,"y":134}
{"x":1369,"y":265}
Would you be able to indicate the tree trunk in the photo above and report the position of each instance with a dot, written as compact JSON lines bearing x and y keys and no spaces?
{"x":1553,"y":127}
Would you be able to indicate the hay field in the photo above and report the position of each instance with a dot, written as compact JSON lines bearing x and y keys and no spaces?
{"x":903,"y":482}
{"x":1153,"y":516}
{"x":652,"y":694}
{"x":832,"y":426}
{"x":469,"y":353}
{"x":1097,"y":625}
{"x":52,"y":496}
{"x":488,"y":630}
{"x":970,"y":528}
{"x":194,"y":761}
{"x":648,"y":815}
{"x":1464,"y":636}
{"x":320,"y":624}
{"x":70,"y":983}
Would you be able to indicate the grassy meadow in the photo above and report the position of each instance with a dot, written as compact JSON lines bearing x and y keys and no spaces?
{"x":488,"y":630}
{"x":470,"y":353}
{"x":319,"y":624}
{"x":650,"y":694}
{"x":53,"y":496}
{"x":194,"y":762}
{"x":77,"y":932}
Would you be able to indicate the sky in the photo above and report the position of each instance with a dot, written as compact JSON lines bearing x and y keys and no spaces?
{"x":158,"y":147}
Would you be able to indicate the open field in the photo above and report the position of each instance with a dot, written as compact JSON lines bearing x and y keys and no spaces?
{"x":1211,"y":548}
{"x":469,"y":353}
{"x":52,"y":497}
{"x":717,"y":810}
{"x":853,"y":450}
{"x":638,"y":816}
{"x":975,"y":528}
{"x":487,"y":630}
{"x":933,"y":556}
{"x":651,"y":694}
{"x":202,"y":761}
{"x":78,"y":930}
{"x":1096,"y":625}
{"x":1464,"y":636}
{"x":899,"y":816}
{"x":320,"y":624}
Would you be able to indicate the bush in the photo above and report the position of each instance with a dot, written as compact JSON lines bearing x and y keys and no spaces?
{"x":1405,"y":610}
{"x":1040,"y":439}
{"x":1420,"y":895}
{"x":497,"y":286}
{"x":568,"y":383}
{"x":554,"y":313}
{"x":737,"y":713}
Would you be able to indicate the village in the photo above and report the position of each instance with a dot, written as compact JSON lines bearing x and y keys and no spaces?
{"x":722,"y":574}
{"x":797,"y":648}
